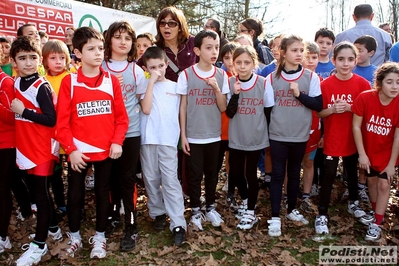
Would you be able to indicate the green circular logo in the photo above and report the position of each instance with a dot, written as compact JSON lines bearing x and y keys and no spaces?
{"x":90,"y":21}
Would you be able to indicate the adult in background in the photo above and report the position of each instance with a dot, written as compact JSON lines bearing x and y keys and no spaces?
{"x":363,"y":15}
{"x":214,"y":24}
{"x":254,"y":28}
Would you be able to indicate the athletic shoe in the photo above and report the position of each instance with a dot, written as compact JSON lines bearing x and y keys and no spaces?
{"x":314,"y":190}
{"x":179,"y":235}
{"x":240,"y":211}
{"x":274,"y":226}
{"x":112,"y":225}
{"x":33,"y":207}
{"x":247,"y":221}
{"x":5,"y":244}
{"x":129,"y":240}
{"x":364,"y":197}
{"x":160,"y":222}
{"x":346,"y":194}
{"x":373,"y":232}
{"x":196,"y":220}
{"x":307,"y":205}
{"x":32,"y":255}
{"x":214,"y":217}
{"x":99,"y":249}
{"x":356,"y":210}
{"x":296,"y":217}
{"x":321,"y":224}
{"x":89,"y":182}
{"x":262,"y":176}
{"x":268,"y":178}
{"x":75,"y":244}
{"x":57,"y":236}
{"x":231,"y":201}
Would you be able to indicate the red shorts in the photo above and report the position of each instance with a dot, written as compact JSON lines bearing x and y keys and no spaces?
{"x":44,"y":169}
{"x":313,"y":141}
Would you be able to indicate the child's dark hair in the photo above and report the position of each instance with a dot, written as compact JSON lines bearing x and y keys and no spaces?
{"x":286,"y":41}
{"x":24,"y":44}
{"x":204,"y":34}
{"x":43,"y":34}
{"x":20,"y":31}
{"x":368,"y":41}
{"x":253,"y":24}
{"x":228,"y":48}
{"x":324,"y":32}
{"x":115,"y":28}
{"x":246,"y":49}
{"x":57,"y":47}
{"x":148,"y":36}
{"x":4,"y":39}
{"x":153,"y":52}
{"x":382,"y":72}
{"x":83,"y":34}
{"x":344,"y":45}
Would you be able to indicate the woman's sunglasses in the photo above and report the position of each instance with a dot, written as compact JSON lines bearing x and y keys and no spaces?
{"x":170,"y":23}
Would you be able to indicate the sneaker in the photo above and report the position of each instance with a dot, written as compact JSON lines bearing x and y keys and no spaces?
{"x":314,"y":190}
{"x":373,"y":232}
{"x":57,"y":236}
{"x":321,"y":224}
{"x":247,"y":221}
{"x":346,"y":194}
{"x":307,"y":205}
{"x":214,"y":217}
{"x":160,"y":222}
{"x":33,"y":207}
{"x":32,"y":255}
{"x":75,"y":244}
{"x":196,"y":220}
{"x":179,"y":235}
{"x":296,"y":216}
{"x":233,"y":205}
{"x":356,"y":210}
{"x":129,"y":240}
{"x":274,"y":226}
{"x":89,"y":182}
{"x":5,"y":244}
{"x":262,"y":176}
{"x":112,"y":225}
{"x":268,"y":178}
{"x":363,"y":196}
{"x":241,"y":210}
{"x":99,"y":249}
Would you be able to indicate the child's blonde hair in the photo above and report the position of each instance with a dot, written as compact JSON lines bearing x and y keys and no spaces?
{"x":58,"y":47}
{"x":312,"y":48}
{"x":246,"y":49}
{"x":243,"y":37}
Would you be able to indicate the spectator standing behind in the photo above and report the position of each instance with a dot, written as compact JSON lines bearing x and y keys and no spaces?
{"x":5,"y":63}
{"x":214,"y":24}
{"x":387,"y":27}
{"x":366,"y":45}
{"x":325,"y":39}
{"x":144,"y":41}
{"x":363,"y":15}
{"x":43,"y":38}
{"x":254,"y":28}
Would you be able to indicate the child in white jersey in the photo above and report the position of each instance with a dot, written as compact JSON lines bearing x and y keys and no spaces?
{"x":203,"y":88}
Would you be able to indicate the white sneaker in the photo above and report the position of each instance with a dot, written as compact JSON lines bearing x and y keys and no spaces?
{"x":373,"y":232}
{"x":33,"y":207}
{"x":247,"y":221}
{"x":75,"y":244}
{"x":321,"y":224}
{"x":89,"y":182}
{"x":241,"y":210}
{"x":214,"y":217}
{"x":357,"y":211}
{"x":296,"y":216}
{"x":274,"y":226}
{"x":5,"y":244}
{"x":99,"y":249}
{"x":57,"y":236}
{"x":32,"y":255}
{"x":314,"y":191}
{"x":197,"y":219}
{"x":364,"y":197}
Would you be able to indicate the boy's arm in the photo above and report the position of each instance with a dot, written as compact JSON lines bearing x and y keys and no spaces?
{"x":120,"y":115}
{"x":364,"y":162}
{"x":183,"y":121}
{"x":6,"y":96}
{"x":63,"y":130}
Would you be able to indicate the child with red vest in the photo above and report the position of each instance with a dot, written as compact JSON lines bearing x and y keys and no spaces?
{"x":34,"y":108}
{"x":90,"y":97}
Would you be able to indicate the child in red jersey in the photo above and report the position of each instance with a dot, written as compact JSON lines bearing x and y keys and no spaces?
{"x":339,"y":92}
{"x":90,"y":97}
{"x":34,"y":108}
{"x":376,"y":133}
{"x":7,"y":154}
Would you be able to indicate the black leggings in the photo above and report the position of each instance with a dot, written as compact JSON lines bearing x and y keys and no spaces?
{"x":76,"y":188}
{"x":46,"y":217}
{"x":57,"y":184}
{"x":285,"y":155}
{"x":123,"y":181}
{"x":7,"y":169}
{"x":243,"y":170}
{"x":330,"y":172}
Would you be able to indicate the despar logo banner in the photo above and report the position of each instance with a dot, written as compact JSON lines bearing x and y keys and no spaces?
{"x":54,"y":16}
